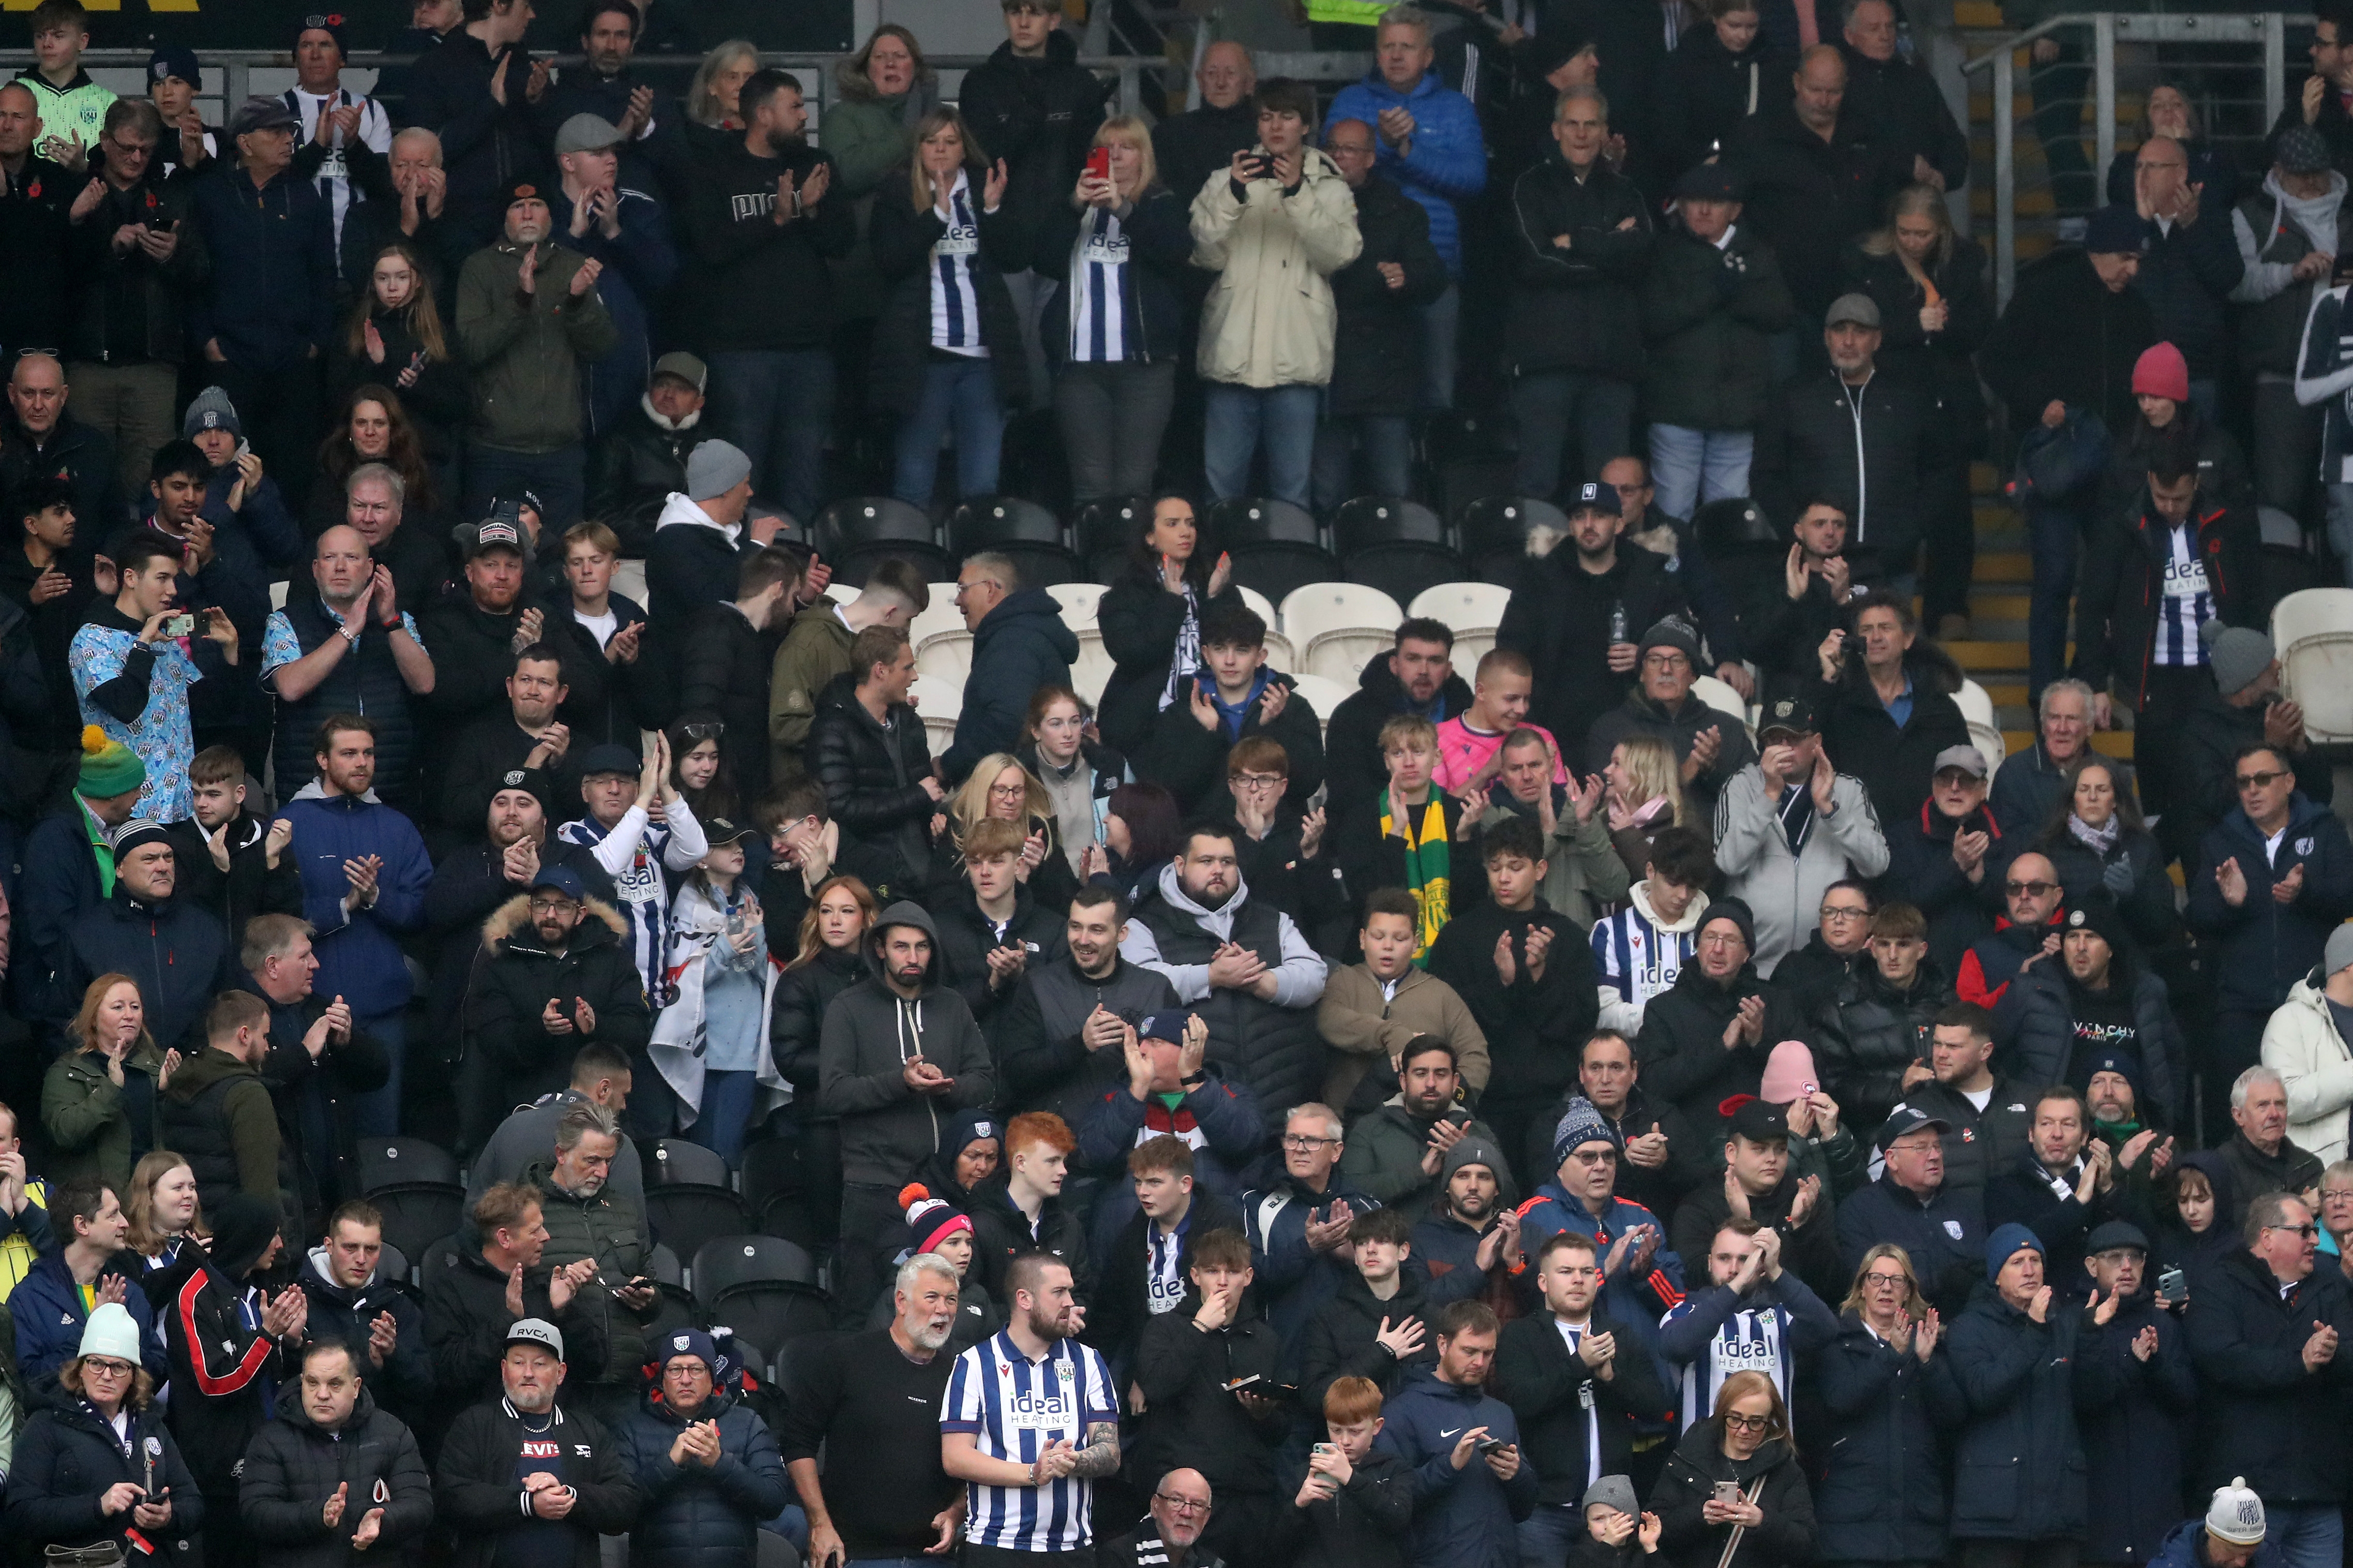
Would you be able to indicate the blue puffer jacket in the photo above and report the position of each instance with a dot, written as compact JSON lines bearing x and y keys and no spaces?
{"x":2181,"y":1549}
{"x":1019,"y":645}
{"x":1462,"y":1518}
{"x":1882,"y":1496}
{"x":699,"y":1518}
{"x":49,"y":1316}
{"x":2017,"y":1471}
{"x":1448,"y":162}
{"x":359,"y":951}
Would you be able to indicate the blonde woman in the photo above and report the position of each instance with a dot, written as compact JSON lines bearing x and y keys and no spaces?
{"x":97,"y":1102}
{"x":1642,"y":790}
{"x":1746,"y":1443}
{"x":1116,"y":325}
{"x":710,"y":97}
{"x":947,"y":352}
{"x":1891,"y":1394}
{"x":163,"y":1209}
{"x":998,"y":786}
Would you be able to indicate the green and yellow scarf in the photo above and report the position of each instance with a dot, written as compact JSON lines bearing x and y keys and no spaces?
{"x":1427,"y":867}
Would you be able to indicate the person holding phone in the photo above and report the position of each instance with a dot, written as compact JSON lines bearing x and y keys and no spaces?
{"x":1732,"y":1495}
{"x":2138,"y":1419}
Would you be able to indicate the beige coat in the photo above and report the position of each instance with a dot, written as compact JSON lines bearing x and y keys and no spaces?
{"x":2301,"y":1044}
{"x":1362,"y":1027}
{"x":1269,"y":317}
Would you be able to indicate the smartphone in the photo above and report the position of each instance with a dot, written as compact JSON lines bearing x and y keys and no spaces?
{"x":1099,"y":163}
{"x":2169,"y":1285}
{"x":1237,"y":1384}
{"x":1324,"y":1448}
{"x":1488,"y":1444}
{"x":1728,"y":1492}
{"x":180,"y":627}
{"x":1260,"y":165}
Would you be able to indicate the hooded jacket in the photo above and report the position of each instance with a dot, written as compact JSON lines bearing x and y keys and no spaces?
{"x":1882,"y":1495}
{"x":692,"y":1516}
{"x":404,"y":1384}
{"x":2274,"y":231}
{"x":511,"y":991}
{"x":2303,"y":1044}
{"x":1462,"y":1519}
{"x":1770,"y":1477}
{"x":1530,"y":1028}
{"x":634,"y":467}
{"x":871,"y":777}
{"x":217,"y":1112}
{"x":66,"y":1459}
{"x":1271,"y":1046}
{"x":1784,"y":887}
{"x":1019,"y":645}
{"x":805,"y":995}
{"x":694,"y":561}
{"x":1708,"y":312}
{"x":2018,"y":1470}
{"x":1186,"y":1374}
{"x":476,"y":1490}
{"x":1270,"y":317}
{"x":292,"y":1469}
{"x":870,"y":1033}
{"x":1293,"y":1279}
{"x":525,"y":353}
{"x":2263,"y":946}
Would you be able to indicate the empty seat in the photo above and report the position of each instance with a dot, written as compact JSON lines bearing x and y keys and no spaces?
{"x":629,"y":580}
{"x":1462,"y":606}
{"x":1976,"y":704}
{"x":947,"y":656}
{"x":1275,"y":546}
{"x":1734,"y":524}
{"x":855,"y":534}
{"x":392,"y":1267}
{"x":1090,"y":671}
{"x":1494,"y":533}
{"x":684,"y":1215}
{"x":1281,"y":653}
{"x":769,"y":1174}
{"x":2313,"y":631}
{"x":1323,"y":695}
{"x":1103,"y":531}
{"x":1080,"y":601}
{"x":763,"y":1287}
{"x":417,"y":1214}
{"x":937,"y":702}
{"x":775,"y":1312}
{"x":1261,"y":606}
{"x":401,"y":1162}
{"x":1393,"y":544}
{"x":677,"y":1160}
{"x":661,"y":1262}
{"x":1329,"y":606}
{"x":940,"y":616}
{"x":1471,"y":643}
{"x":725,"y":1262}
{"x":1719,"y":695}
{"x":1022,"y":531}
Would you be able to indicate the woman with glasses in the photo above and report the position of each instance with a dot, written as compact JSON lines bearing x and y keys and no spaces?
{"x":1001,"y":788}
{"x":2017,"y":1493}
{"x":1078,"y":774}
{"x":95,"y":1466}
{"x":1746,"y":1443}
{"x":2096,"y":841}
{"x":1891,"y":1394}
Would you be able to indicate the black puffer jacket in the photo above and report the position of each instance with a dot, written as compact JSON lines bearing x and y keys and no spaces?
{"x":66,"y":1459}
{"x":1869,"y":1032}
{"x":177,"y":954}
{"x":511,"y":991}
{"x":1809,"y":197}
{"x":292,"y":1469}
{"x":2017,"y":1471}
{"x":694,"y":1515}
{"x":633,"y":468}
{"x":1376,"y":350}
{"x":1698,"y":1463}
{"x":1706,"y":93}
{"x":1882,"y":1495}
{"x":901,"y":240}
{"x":1920,"y":862}
{"x":1576,"y":309}
{"x":1707,"y":313}
{"x":1139,"y":619}
{"x":466,"y":1321}
{"x":1896,"y":764}
{"x":871,"y":776}
{"x":803,"y":993}
{"x":1812,"y":442}
{"x":2037,"y":1025}
{"x":476,"y":1494}
{"x":1039,"y":116}
{"x":967,"y":937}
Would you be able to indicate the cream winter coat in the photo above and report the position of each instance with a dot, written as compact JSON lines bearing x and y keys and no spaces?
{"x":1269,"y":317}
{"x":2301,"y":1044}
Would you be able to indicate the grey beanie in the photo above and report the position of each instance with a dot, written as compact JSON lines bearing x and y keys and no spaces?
{"x":713,"y":468}
{"x":211,"y":410}
{"x":2238,"y":655}
{"x":1613,"y":1491}
{"x":2338,"y":952}
{"x":1472,"y":1149}
{"x":2236,"y":1514}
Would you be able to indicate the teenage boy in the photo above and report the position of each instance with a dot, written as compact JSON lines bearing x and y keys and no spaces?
{"x":174,"y":80}
{"x":1469,"y":745}
{"x":1408,"y":839}
{"x":1144,"y":1268}
{"x":990,"y":929}
{"x":1355,"y":1502}
{"x":1753,"y":1316}
{"x":1373,"y":1013}
{"x":72,"y":107}
{"x":230,"y":861}
{"x":1233,"y":696}
{"x":1638,"y":951}
{"x":1526,"y":974}
{"x":640,"y":854}
{"x":610,"y":697}
{"x":50,"y":581}
{"x":1284,"y":853}
{"x":1376,"y":1324}
{"x":1021,"y":1209}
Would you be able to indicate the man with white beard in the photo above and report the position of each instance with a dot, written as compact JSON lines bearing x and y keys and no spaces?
{"x":877,"y":1395}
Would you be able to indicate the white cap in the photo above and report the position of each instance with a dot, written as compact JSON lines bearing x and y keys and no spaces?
{"x":111,"y":1331}
{"x":2236,"y":1515}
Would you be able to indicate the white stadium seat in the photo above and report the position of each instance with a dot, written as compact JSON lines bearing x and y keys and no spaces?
{"x":2313,"y":631}
{"x":1464,"y":606}
{"x":1976,"y":704}
{"x":940,"y":616}
{"x":947,"y":655}
{"x":1078,"y":600}
{"x":937,"y":704}
{"x":1281,"y":653}
{"x":1090,"y":671}
{"x":1718,"y":694}
{"x":1262,"y":605}
{"x":1327,"y":607}
{"x":1325,"y":695}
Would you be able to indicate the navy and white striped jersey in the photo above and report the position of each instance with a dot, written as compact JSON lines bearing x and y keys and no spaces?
{"x":1753,"y":1339}
{"x":1636,"y":955}
{"x":2187,"y":600}
{"x":1100,"y":329}
{"x":641,"y":857}
{"x":956,"y":292}
{"x":333,"y":179}
{"x":2324,"y":376}
{"x":1014,"y":1407}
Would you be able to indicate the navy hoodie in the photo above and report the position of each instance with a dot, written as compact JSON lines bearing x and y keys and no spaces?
{"x":1462,"y":1518}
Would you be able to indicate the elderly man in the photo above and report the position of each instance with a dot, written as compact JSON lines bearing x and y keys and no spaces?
{"x":2266,"y":1338}
{"x":587,"y":1219}
{"x":877,"y":1395}
{"x":375,"y":504}
{"x":2306,"y":1044}
{"x":320,"y":1061}
{"x":2231,"y":1531}
{"x":2242,"y":705}
{"x":175,"y":953}
{"x":1298,"y":1224}
{"x":507,"y":1489}
{"x":1893,"y":101}
{"x":1706,"y":1037}
{"x":1942,"y":1229}
{"x":34,"y":314}
{"x":1790,"y":824}
{"x":2135,"y":1428}
{"x":2025,"y":933}
{"x":706,"y":1465}
{"x":529,"y":319}
{"x":45,"y":440}
{"x":2191,"y":265}
{"x":1939,"y":854}
{"x":350,"y":648}
{"x":1170,"y":1533}
{"x":2260,"y":1154}
{"x":1019,"y":644}
{"x":1191,"y":146}
{"x":265,"y":312}
{"x":2028,"y":785}
{"x":1817,"y":177}
{"x":410,"y":213}
{"x":1710,"y":746}
{"x":628,"y":232}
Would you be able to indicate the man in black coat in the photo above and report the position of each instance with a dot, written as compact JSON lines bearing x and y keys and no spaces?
{"x":1941,"y":1229}
{"x":1580,"y":241}
{"x":1940,"y":856}
{"x":1145,"y":1270}
{"x":1895,"y":102}
{"x":868,"y":750}
{"x":490,"y":131}
{"x":2267,"y":1339}
{"x":320,"y":1062}
{"x":555,"y":974}
{"x":639,"y":461}
{"x":508,"y":1490}
{"x":2026,"y":1191}
{"x":334,"y":1470}
{"x":2072,"y":330}
{"x":524,"y":734}
{"x":2143,"y":1404}
{"x":723,"y":667}
{"x":1706,"y":1037}
{"x":1376,"y":349}
{"x":177,"y":954}
{"x":1375,"y":1323}
{"x":990,"y":929}
{"x":1019,"y":642}
{"x":1817,"y":177}
{"x":1888,"y":711}
{"x":1191,"y":146}
{"x":1577,"y":613}
{"x":2151,"y":580}
{"x":351,"y":1303}
{"x":475,"y":633}
{"x":1417,"y":675}
{"x":473,"y":1295}
{"x":1234,"y":696}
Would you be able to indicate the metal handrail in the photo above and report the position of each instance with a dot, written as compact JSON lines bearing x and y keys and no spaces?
{"x":2108,"y":28}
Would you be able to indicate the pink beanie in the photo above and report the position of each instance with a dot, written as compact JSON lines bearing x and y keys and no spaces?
{"x":2161,"y":372}
{"x":1789,"y":1073}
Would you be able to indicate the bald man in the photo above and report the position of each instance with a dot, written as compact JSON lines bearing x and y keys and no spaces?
{"x":1813,"y":182}
{"x":1191,"y":146}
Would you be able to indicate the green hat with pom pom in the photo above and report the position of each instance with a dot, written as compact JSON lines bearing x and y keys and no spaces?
{"x":109,"y":767}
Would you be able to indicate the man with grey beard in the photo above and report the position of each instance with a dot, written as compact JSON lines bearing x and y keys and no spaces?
{"x":877,"y":1395}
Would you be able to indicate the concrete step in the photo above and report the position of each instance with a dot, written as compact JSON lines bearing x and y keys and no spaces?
{"x":2006,"y":694}
{"x":1982,"y":654}
{"x":1986,"y":609}
{"x":2001,"y":567}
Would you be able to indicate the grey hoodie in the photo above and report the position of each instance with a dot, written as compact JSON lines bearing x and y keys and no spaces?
{"x":870,"y":1033}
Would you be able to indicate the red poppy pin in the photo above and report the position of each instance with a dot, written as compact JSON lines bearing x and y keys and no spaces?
{"x":33,"y":190}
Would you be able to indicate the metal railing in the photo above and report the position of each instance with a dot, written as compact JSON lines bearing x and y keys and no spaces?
{"x":2201,"y":43}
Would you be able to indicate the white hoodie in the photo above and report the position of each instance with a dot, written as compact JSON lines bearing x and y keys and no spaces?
{"x":678,"y":511}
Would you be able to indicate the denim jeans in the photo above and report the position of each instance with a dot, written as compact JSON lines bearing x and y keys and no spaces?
{"x":963,"y":393}
{"x":775,"y":404}
{"x":2308,"y":1534}
{"x":1236,"y":417}
{"x":376,"y":1114}
{"x":1379,"y":445}
{"x":1549,"y":1535}
{"x":558,"y":478}
{"x":1441,"y":322}
{"x":1690,"y":467}
{"x":1550,"y":406}
{"x":2053,"y":538}
{"x":727,"y":1100}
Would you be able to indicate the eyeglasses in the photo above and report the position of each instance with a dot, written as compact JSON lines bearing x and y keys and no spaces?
{"x":2264,"y":780}
{"x":1007,"y":792}
{"x":1258,"y":780}
{"x":1594,"y":1156}
{"x":2335,"y":1195}
{"x":1842,"y":913}
{"x":704,"y":730}
{"x":1181,"y":1504}
{"x":105,"y":1367}
{"x":1665,"y":661}
{"x":129,"y":148}
{"x":550,"y":906}
{"x":2309,"y":1231}
{"x":1886,"y":1281}
{"x":2030,"y":890}
{"x":1300,"y":1142}
{"x":1736,"y":1422}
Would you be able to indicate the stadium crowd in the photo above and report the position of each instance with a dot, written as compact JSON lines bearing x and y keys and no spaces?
{"x":1476,"y":1126}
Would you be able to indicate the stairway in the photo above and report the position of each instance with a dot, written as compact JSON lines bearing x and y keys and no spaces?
{"x":1995,"y":654}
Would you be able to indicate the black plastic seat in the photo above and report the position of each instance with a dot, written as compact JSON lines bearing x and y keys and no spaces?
{"x":773,"y":1313}
{"x":1733,"y":524}
{"x":1368,"y":523}
{"x":726,"y":1262}
{"x":1262,"y":520}
{"x":1103,"y":530}
{"x":678,"y":1161}
{"x":404,"y":1162}
{"x":1494,"y":535}
{"x":992,"y":522}
{"x":418,"y":1214}
{"x":392,"y":1267}
{"x":770,"y":1174}
{"x":662,"y":1263}
{"x":684,"y":1216}
{"x":857,"y":534}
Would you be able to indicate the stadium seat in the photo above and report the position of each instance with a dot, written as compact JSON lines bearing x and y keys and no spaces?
{"x":1281,"y":653}
{"x":938,"y":702}
{"x":769,"y":1173}
{"x":417,"y":1213}
{"x":1976,"y":704}
{"x":1090,"y":671}
{"x":678,"y":1309}
{"x":1325,"y":695}
{"x":1463,"y":607}
{"x":630,"y":581}
{"x":940,"y":616}
{"x":1393,"y":544}
{"x":1030,"y":535}
{"x":1079,"y":602}
{"x":1275,"y":546}
{"x":764,"y":1288}
{"x":392,"y":1267}
{"x":404,"y":1162}
{"x":1261,"y":606}
{"x":278,"y":595}
{"x":1336,"y":626}
{"x":1719,"y":695}
{"x":1494,"y":533}
{"x":1103,"y":530}
{"x":945,"y":655}
{"x":855,"y":534}
{"x":676,"y":1160}
{"x":726,"y":1262}
{"x":2313,"y":631}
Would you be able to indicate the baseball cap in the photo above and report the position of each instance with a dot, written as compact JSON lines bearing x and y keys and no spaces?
{"x":685,"y":367}
{"x":1165,"y":1025}
{"x":720,"y":830}
{"x":1793,"y":711}
{"x":537,"y":1332}
{"x":1968,"y":759}
{"x":1759,"y":1120}
{"x":1600,"y":497}
{"x":608,"y":758}
{"x":1906,"y":1118}
{"x":565,"y":881}
{"x":501,"y":530}
{"x":1858,"y":308}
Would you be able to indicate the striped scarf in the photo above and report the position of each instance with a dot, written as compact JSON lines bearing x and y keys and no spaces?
{"x":1427,"y":867}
